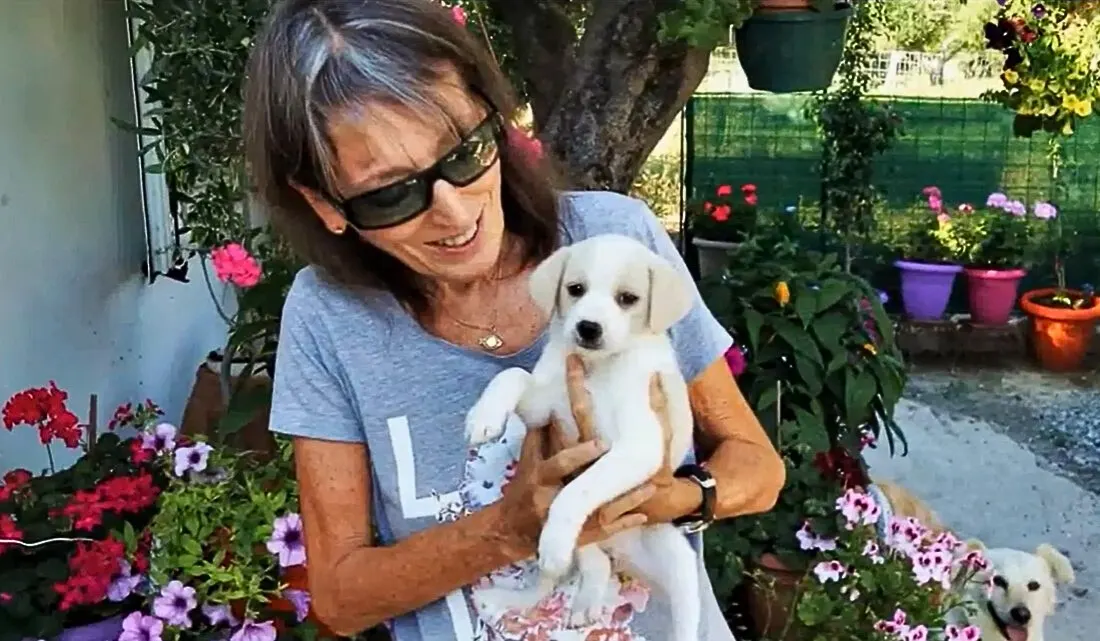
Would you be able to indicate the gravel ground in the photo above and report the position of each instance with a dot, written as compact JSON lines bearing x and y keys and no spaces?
{"x":1057,"y":417}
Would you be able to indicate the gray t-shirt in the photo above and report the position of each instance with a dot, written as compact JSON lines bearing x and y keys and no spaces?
{"x":357,"y":368}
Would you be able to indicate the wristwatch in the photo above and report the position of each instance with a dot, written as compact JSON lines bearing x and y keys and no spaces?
{"x":702,"y":519}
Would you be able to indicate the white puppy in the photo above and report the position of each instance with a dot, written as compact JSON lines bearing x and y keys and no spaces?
{"x":1021,"y":592}
{"x":611,"y":300}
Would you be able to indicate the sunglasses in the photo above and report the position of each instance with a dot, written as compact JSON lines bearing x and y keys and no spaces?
{"x":406,"y":199}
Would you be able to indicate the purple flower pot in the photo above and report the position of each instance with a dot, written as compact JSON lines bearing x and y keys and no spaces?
{"x":105,"y":630}
{"x":926,"y":288}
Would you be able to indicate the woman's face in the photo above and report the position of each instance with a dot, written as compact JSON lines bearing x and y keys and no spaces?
{"x":459,"y":238}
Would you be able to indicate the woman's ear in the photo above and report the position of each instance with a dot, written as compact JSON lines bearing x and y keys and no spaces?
{"x":330,"y":217}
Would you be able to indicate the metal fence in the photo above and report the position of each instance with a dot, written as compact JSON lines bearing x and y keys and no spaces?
{"x":963,"y":146}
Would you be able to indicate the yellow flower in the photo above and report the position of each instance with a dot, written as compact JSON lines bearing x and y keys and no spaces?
{"x":1010,"y":77}
{"x":782,"y":293}
{"x":870,"y":348}
{"x":1083,"y":108}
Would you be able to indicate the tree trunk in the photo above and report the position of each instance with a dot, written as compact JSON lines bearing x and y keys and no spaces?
{"x":602,"y":103}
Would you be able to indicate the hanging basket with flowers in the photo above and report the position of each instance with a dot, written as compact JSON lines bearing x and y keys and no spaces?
{"x":1051,"y":75}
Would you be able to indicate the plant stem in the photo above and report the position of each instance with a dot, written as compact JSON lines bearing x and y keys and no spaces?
{"x":49,"y":453}
{"x":210,"y":289}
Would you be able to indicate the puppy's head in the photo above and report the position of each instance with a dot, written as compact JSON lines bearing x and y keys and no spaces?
{"x":608,"y":289}
{"x":1020,"y":589}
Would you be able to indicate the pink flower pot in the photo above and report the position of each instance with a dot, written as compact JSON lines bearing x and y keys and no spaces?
{"x":992,"y":293}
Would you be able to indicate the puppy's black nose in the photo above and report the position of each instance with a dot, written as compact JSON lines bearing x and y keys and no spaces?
{"x":589,"y":331}
{"x":1020,"y":614}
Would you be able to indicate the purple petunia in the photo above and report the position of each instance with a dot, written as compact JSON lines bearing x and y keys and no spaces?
{"x":996,"y":199}
{"x":139,"y":627}
{"x":192,"y":459}
{"x":253,"y":631}
{"x":1016,"y":208}
{"x":161,"y":439}
{"x":300,"y":600}
{"x":287,"y":541}
{"x":123,"y":583}
{"x":175,"y":603}
{"x":218,"y":614}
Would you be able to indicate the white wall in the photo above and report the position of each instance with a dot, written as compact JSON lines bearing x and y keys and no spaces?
{"x":74,"y":306}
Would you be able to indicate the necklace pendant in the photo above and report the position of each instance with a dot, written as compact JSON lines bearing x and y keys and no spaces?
{"x":491,"y":343}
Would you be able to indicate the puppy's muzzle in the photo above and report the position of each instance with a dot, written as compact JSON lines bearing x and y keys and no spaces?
{"x":1020,"y":615}
{"x":589,"y":334}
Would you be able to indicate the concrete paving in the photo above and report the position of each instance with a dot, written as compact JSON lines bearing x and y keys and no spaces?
{"x":986,"y":485}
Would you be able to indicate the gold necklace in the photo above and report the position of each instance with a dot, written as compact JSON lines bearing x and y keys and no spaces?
{"x":491,"y":341}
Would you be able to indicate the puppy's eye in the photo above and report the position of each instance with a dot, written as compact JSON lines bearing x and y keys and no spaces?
{"x":1033,"y":586}
{"x":576,"y":290}
{"x":1000,"y":582}
{"x":626,"y":299}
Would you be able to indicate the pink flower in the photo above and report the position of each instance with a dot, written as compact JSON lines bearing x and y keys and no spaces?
{"x":957,"y":633}
{"x":809,"y":540}
{"x":1044,"y":210}
{"x":233,"y":264}
{"x":735,"y":358}
{"x":935,"y":203}
{"x":526,"y":145}
{"x":858,"y":509}
{"x":919,"y":633}
{"x":830,"y":571}
{"x":932,"y":192}
{"x":459,"y":14}
{"x":943,"y":218}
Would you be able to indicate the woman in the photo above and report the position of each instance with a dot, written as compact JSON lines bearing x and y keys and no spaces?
{"x":377,"y":139}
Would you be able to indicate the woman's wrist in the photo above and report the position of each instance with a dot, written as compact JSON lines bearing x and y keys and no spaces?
{"x":680,"y":497}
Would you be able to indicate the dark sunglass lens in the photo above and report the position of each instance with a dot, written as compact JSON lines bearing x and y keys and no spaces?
{"x":388,"y":206}
{"x":472,"y":158}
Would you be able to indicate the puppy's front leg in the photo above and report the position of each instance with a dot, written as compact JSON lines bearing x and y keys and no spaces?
{"x":485,"y":420}
{"x":631,"y":461}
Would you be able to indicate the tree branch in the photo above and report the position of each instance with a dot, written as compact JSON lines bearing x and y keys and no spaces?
{"x":624,"y":92}
{"x":544,"y":37}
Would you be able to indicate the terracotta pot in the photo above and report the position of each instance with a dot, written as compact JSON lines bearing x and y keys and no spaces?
{"x":1060,"y":337}
{"x":771,"y":599}
{"x":205,"y":407}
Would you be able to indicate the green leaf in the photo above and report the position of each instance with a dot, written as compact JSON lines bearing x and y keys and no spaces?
{"x":810,"y":373}
{"x":812,"y":430}
{"x":830,"y":329}
{"x":859,"y":388}
{"x":754,"y":321}
{"x":805,"y":304}
{"x":832,"y":292}
{"x":798,"y":339}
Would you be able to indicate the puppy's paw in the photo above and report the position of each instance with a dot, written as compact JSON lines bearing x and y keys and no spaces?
{"x":484,"y":423}
{"x":584,"y":616}
{"x":555,"y":555}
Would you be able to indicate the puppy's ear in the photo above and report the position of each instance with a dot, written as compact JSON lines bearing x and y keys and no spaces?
{"x":670,"y":296}
{"x":546,"y":280}
{"x":1060,"y":567}
{"x":975,"y":545}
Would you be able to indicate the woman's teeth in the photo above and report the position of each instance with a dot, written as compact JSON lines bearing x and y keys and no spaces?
{"x":459,"y":240}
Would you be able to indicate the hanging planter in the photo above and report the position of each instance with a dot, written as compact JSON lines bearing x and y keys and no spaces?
{"x":793,"y":45}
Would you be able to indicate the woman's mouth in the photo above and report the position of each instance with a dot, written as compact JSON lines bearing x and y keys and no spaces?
{"x":461,"y":240}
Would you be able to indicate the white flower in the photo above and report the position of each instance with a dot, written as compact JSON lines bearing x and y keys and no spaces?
{"x":829,"y":571}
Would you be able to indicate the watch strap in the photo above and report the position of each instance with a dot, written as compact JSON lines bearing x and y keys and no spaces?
{"x":699,"y":475}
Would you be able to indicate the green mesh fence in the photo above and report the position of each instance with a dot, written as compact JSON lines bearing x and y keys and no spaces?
{"x":965,"y":147}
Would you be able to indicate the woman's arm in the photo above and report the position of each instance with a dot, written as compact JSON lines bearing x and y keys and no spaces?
{"x":356,"y":585}
{"x":734,"y":447}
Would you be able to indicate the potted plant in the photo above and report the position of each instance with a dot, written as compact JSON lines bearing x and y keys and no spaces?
{"x":823,"y":374}
{"x":1051,"y":75}
{"x":792,"y":45}
{"x":1063,"y":320}
{"x":228,"y":555}
{"x":719,"y":223}
{"x":72,"y":553}
{"x":997,"y":243}
{"x":924,"y":236}
{"x":902,"y":581}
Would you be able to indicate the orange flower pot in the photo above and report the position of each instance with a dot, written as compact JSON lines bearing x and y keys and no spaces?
{"x":1060,"y":337}
{"x":771,"y":599}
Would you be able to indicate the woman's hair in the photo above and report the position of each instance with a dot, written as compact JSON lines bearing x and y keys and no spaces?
{"x":318,"y":60}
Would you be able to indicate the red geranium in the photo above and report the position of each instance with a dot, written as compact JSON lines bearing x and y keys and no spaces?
{"x":44,"y":408}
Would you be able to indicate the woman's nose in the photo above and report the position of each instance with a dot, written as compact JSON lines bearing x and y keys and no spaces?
{"x":449,"y":207}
